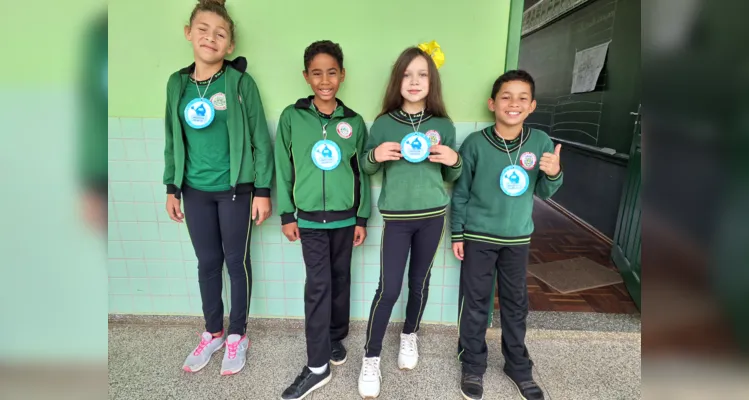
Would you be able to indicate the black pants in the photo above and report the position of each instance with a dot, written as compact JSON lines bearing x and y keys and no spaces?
{"x":327,"y":290}
{"x":220,"y":231}
{"x":477,"y":270}
{"x":422,"y":238}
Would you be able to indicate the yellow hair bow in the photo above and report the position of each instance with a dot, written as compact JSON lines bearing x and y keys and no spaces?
{"x":433,"y":49}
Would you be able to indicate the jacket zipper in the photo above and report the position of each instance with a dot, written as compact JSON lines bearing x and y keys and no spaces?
{"x":323,"y":175}
{"x":244,"y":120}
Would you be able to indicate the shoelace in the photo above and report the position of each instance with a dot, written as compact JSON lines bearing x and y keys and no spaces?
{"x":408,"y":344}
{"x":202,"y":345}
{"x":232,"y":349}
{"x":371,"y":366}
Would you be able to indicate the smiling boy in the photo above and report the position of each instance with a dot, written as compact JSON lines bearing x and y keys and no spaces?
{"x":318,"y":145}
{"x":504,"y":165}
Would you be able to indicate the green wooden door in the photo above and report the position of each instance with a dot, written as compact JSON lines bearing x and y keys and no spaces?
{"x":626,"y":252}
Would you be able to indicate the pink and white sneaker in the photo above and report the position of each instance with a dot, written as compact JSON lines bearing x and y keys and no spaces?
{"x":236,"y":354}
{"x":200,"y":357}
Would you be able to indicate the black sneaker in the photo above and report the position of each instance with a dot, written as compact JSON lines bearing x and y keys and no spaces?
{"x":337,"y":353}
{"x":528,"y":390}
{"x":305,"y":384}
{"x":472,"y":386}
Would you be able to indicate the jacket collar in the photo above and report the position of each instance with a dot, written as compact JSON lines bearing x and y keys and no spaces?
{"x":306,"y":103}
{"x":239,"y":63}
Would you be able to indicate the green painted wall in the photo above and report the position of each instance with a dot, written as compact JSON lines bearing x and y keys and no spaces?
{"x":146,"y":44}
{"x":151,"y":263}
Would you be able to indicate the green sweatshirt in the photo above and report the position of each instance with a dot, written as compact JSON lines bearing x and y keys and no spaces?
{"x":320,"y":196}
{"x":250,"y":151}
{"x":411,"y":190}
{"x":481,"y":211}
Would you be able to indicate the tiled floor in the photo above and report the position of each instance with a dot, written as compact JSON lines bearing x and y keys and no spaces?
{"x":556,"y":237}
{"x":145,"y":360}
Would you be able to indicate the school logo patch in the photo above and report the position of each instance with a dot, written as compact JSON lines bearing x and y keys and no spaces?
{"x":219,"y":101}
{"x":344,"y":130}
{"x":528,"y":160}
{"x":434,"y":137}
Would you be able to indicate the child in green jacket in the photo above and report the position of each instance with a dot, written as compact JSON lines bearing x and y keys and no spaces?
{"x":218,"y":158}
{"x":318,"y":145}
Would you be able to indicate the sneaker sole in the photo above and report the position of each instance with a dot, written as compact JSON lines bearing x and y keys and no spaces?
{"x":336,"y":363}
{"x":469,"y":398}
{"x":187,"y":368}
{"x":318,"y":386}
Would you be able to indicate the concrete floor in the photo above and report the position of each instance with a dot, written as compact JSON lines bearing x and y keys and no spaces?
{"x":590,"y":356}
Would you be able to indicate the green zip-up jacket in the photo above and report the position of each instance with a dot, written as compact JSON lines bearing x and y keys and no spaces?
{"x":317,"y":195}
{"x":411,"y":190}
{"x":480,"y":210}
{"x":250,"y":151}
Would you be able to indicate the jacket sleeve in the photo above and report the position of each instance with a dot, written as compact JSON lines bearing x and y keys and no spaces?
{"x":260,"y":138}
{"x":365,"y":197}
{"x":171,"y":188}
{"x":284,"y":171}
{"x":461,"y":193}
{"x":451,"y":173}
{"x":367,"y":160}
{"x":547,"y":185}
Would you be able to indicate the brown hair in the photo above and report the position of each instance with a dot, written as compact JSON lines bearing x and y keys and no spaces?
{"x":217,"y":7}
{"x":394,"y":100}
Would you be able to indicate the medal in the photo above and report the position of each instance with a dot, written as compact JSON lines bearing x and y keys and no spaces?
{"x":415,"y":146}
{"x":513,"y":180}
{"x":200,"y":112}
{"x":326,"y":155}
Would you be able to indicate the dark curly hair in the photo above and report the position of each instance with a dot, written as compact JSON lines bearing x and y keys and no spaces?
{"x":323,"y":47}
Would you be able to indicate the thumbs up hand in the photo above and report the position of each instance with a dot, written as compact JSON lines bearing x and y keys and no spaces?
{"x":550,"y":162}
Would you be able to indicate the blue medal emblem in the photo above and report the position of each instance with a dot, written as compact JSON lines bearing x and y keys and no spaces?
{"x":199,"y":113}
{"x":514,"y":181}
{"x":326,"y":155}
{"x":415,"y":147}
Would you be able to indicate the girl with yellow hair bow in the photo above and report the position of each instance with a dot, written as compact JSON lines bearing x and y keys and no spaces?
{"x":412,"y":200}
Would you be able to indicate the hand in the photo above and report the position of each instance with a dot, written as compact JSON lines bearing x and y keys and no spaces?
{"x":360,"y":233}
{"x":291,"y":231}
{"x":94,"y":209}
{"x":443,"y":154}
{"x":550,"y":162}
{"x":458,"y":250}
{"x":173,"y":208}
{"x":388,"y":151}
{"x":261,"y":209}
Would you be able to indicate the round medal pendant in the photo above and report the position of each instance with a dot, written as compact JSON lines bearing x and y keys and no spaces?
{"x":415,"y":147}
{"x":199,"y":113}
{"x":514,"y":181}
{"x":326,"y":155}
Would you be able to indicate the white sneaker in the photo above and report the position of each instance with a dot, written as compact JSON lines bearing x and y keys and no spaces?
{"x":200,"y":357}
{"x":236,"y":354}
{"x":408,"y":356}
{"x":370,"y":378}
